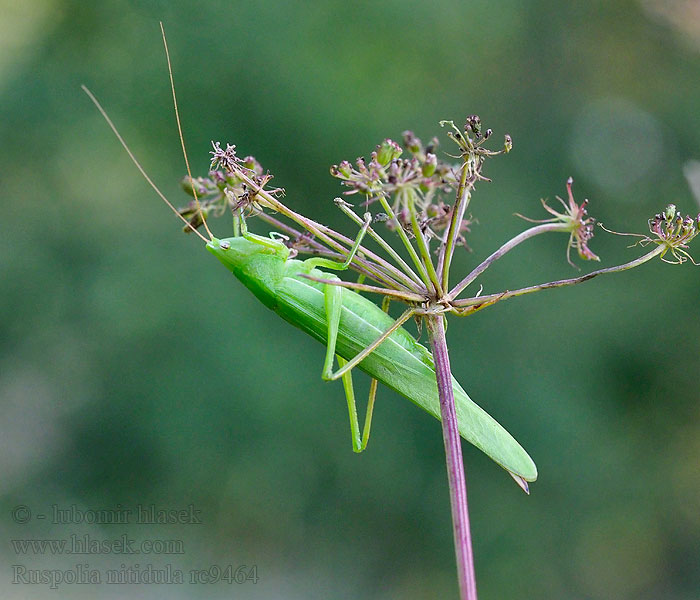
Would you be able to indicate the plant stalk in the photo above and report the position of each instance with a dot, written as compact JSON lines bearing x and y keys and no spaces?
{"x":453,"y":457}
{"x":493,"y":298}
{"x":460,"y":206}
{"x":507,"y":247}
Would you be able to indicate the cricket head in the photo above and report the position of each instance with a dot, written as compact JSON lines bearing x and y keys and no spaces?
{"x":237,"y":251}
{"x":259,"y":263}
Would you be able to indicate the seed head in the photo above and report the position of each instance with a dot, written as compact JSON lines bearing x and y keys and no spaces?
{"x":578,"y":223}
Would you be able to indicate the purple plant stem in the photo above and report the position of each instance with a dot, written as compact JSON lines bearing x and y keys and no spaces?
{"x":453,"y":456}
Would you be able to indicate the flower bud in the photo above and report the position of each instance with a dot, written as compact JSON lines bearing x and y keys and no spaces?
{"x":197,"y":220}
{"x":432,"y":146}
{"x":186,"y":184}
{"x":345,"y":168}
{"x":411,"y":142}
{"x":670,"y":212}
{"x":508,"y":143}
{"x":218,"y":177}
{"x":361,"y":165}
{"x":387,"y":151}
{"x":250,"y":163}
{"x":393,"y":171}
{"x":193,"y":187}
{"x":429,"y":166}
{"x":194,"y":215}
{"x":474,"y":124}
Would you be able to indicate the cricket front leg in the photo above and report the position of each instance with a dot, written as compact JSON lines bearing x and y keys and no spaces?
{"x":334,"y":304}
{"x":341,"y":266}
{"x":333,"y":300}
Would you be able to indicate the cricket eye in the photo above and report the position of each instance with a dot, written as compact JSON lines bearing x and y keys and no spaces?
{"x":225,"y":245}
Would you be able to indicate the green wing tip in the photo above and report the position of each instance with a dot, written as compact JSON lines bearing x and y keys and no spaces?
{"x":520,"y":467}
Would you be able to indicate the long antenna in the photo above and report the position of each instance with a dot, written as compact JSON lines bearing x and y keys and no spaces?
{"x":136,"y":162}
{"x":179,"y":129}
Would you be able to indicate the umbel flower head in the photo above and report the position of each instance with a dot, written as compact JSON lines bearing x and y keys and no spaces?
{"x":673,"y":231}
{"x":388,"y":173}
{"x":415,"y":187}
{"x":224,"y":189}
{"x":411,"y":180}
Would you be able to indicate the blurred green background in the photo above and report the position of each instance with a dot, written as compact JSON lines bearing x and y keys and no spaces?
{"x":135,"y":370}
